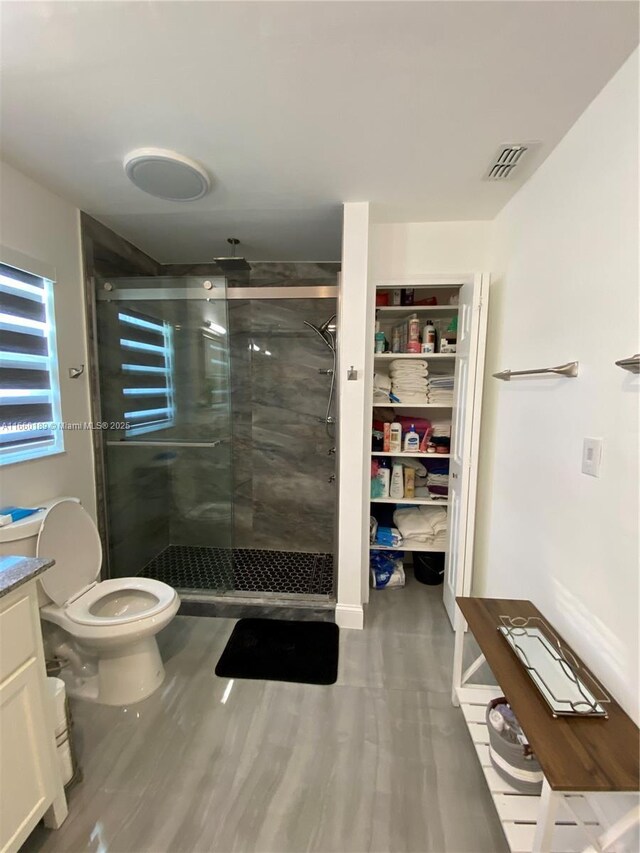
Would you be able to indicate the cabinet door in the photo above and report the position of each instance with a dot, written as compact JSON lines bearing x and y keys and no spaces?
{"x":465,"y":432}
{"x":24,"y":756}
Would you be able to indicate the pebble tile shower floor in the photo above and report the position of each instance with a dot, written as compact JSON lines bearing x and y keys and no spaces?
{"x":243,"y":570}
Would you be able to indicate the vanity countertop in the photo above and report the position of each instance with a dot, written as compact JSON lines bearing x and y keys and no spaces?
{"x":14,"y":571}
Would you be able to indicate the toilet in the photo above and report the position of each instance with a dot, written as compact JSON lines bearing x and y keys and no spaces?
{"x":105,"y":629}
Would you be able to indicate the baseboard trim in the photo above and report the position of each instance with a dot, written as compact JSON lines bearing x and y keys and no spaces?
{"x":350,"y":616}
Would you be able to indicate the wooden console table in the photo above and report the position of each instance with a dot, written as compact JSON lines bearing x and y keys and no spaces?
{"x":578,"y":755}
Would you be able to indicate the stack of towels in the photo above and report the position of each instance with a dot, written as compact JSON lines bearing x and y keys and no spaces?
{"x":440,"y":429}
{"x":424,"y":524}
{"x":436,"y":485}
{"x":438,"y":479}
{"x":441,"y":390}
{"x":409,"y":381}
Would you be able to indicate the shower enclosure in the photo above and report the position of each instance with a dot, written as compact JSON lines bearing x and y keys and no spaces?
{"x":217,"y":447}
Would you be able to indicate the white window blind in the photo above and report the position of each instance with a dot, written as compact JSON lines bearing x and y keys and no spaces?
{"x":146,"y":346}
{"x":30,"y":416}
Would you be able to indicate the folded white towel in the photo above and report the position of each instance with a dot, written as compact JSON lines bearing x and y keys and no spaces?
{"x":408,"y":382}
{"x":421,"y":524}
{"x":440,"y":428}
{"x":398,"y":366}
{"x":414,"y":388}
{"x":412,"y":397}
{"x":408,"y":374}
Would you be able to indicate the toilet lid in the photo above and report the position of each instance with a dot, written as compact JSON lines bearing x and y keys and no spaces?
{"x":69,"y":535}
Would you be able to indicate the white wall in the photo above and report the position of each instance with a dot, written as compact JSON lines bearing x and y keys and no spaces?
{"x":412,"y":248}
{"x":565,"y":286}
{"x":355,"y":320}
{"x":44,"y":227}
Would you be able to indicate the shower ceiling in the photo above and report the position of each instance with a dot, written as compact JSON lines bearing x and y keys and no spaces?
{"x":294,"y":108}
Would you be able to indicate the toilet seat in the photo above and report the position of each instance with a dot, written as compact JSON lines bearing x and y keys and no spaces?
{"x":69,"y":535}
{"x":79,"y":610}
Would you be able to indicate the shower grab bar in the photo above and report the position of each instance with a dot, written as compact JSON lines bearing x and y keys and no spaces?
{"x":124,"y":443}
{"x":570,"y":369}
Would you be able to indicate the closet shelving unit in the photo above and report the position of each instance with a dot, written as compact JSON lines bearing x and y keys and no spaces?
{"x":390,"y":315}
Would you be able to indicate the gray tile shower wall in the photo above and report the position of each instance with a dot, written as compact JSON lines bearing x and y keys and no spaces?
{"x":281,"y":462}
{"x":265,"y":274}
{"x":281,"y":495}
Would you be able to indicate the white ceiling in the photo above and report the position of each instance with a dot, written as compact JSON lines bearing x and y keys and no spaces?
{"x":295,"y":107}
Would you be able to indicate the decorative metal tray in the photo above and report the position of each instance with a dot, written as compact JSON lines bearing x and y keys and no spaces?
{"x":553,"y":668}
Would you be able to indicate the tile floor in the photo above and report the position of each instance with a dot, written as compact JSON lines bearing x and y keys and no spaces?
{"x":190,"y":567}
{"x":378,"y":762}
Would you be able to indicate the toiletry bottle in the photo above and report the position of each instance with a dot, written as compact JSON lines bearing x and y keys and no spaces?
{"x":379,"y":342}
{"x":429,"y":338}
{"x":448,"y":339}
{"x":386,"y":446}
{"x":384,"y":476}
{"x":414,"y":334}
{"x":397,"y":482}
{"x":396,"y":296}
{"x":412,"y":441}
{"x":395,"y":438}
{"x":409,"y":483}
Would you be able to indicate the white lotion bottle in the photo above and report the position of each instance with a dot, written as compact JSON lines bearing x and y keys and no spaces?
{"x":412,"y":441}
{"x":397,"y":482}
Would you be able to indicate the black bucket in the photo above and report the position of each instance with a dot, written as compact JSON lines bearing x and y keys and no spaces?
{"x":428,"y":568}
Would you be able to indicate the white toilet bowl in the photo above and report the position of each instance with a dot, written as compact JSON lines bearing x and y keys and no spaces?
{"x":109,"y":627}
{"x":115,"y":622}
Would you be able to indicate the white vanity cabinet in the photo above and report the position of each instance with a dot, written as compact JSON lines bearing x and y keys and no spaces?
{"x":30,"y":785}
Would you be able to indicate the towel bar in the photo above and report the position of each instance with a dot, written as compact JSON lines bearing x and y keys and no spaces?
{"x":632,"y":363}
{"x":569,"y":369}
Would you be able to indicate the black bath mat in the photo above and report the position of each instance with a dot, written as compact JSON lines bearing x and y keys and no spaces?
{"x":280,"y":650}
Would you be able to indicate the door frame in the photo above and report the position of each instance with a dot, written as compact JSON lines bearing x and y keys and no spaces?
{"x":464,"y":576}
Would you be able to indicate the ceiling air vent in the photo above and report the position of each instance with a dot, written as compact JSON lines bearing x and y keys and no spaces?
{"x":504,"y":164}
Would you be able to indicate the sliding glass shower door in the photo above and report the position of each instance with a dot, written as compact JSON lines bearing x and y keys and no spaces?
{"x":163,"y":365}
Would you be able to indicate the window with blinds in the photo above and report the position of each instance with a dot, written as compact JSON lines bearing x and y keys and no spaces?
{"x":30,"y":416}
{"x":146,"y":346}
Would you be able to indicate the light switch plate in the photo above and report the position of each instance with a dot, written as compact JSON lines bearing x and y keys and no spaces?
{"x":591,"y":456}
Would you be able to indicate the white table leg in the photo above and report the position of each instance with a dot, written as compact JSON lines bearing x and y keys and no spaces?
{"x":619,"y":828}
{"x":549,"y":802}
{"x":458,"y":652}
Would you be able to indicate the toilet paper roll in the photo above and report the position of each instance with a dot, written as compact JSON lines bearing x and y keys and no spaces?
{"x":57,"y":693}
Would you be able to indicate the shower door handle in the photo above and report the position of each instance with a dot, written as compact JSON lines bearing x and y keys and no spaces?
{"x":123,"y":442}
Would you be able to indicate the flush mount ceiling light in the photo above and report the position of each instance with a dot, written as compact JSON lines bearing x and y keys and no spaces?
{"x":166,"y":174}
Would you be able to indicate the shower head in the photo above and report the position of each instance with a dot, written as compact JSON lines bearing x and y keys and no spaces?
{"x":233,"y":264}
{"x":326,"y":332}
